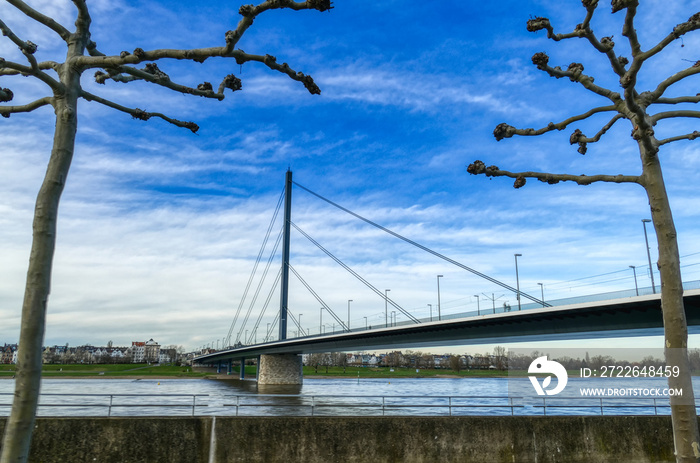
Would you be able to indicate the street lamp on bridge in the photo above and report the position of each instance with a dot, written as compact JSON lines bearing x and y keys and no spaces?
{"x":438,"y":284}
{"x":542,"y":289}
{"x":365,"y":322}
{"x":386,"y":307}
{"x":517,"y":279}
{"x":349,"y":301}
{"x":431,"y":311}
{"x":478,"y":309}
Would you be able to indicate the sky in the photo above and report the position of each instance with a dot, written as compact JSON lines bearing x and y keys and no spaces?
{"x":159,"y":228}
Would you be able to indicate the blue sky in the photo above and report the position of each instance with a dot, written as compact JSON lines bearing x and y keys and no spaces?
{"x":159,"y":228}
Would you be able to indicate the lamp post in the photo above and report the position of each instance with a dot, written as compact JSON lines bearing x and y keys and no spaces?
{"x":646,"y":240}
{"x":431,"y":311}
{"x":386,"y":307}
{"x":517,"y":279}
{"x":267,"y":333}
{"x":320,"y":322}
{"x":478,"y":309}
{"x":438,"y":284}
{"x":365,"y":322}
{"x":393,"y":318}
{"x":636,"y":288}
{"x":349,"y":301}
{"x":542,"y":289}
{"x":301,"y":330}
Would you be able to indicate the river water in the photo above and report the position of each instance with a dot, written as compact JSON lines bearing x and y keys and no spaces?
{"x":337,"y":396}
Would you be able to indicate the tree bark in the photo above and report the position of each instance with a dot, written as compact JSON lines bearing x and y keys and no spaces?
{"x":683,"y":413}
{"x":18,"y":432}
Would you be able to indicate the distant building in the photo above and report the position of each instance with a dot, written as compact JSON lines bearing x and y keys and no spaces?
{"x":152,"y":351}
{"x":8,"y":353}
{"x":138,"y":352}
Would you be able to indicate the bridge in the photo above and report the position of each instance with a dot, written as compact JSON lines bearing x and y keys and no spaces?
{"x":279,"y":362}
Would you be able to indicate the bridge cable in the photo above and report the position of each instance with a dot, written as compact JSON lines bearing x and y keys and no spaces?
{"x":318,"y":298}
{"x":267,"y":303}
{"x":301,"y":330}
{"x":356,"y":275}
{"x":268,"y":335}
{"x":257,"y":291}
{"x":257,"y":261}
{"x":426,"y":249}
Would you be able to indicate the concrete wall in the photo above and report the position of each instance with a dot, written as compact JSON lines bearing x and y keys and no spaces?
{"x":353,"y":439}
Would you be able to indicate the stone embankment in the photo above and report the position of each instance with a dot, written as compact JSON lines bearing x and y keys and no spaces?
{"x":202,"y":439}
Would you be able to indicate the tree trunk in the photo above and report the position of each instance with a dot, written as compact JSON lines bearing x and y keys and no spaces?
{"x":18,"y":432}
{"x":683,"y":413}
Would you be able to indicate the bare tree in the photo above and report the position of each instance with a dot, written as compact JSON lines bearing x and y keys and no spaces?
{"x":639,"y":108}
{"x":62,"y":80}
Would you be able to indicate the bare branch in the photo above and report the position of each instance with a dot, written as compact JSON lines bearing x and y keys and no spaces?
{"x":575,"y":74}
{"x":506,"y":131}
{"x":250,"y":12}
{"x":28,"y":48}
{"x":671,"y":114}
{"x":137,"y":113}
{"x":680,"y":75}
{"x":628,"y":29}
{"x":151,"y":73}
{"x":540,"y":23}
{"x":579,"y":138}
{"x":271,"y":62}
{"x":478,"y":167}
{"x":678,"y":100}
{"x":692,"y":24}
{"x":112,"y":64}
{"x":689,"y":136}
{"x":10,"y":68}
{"x":41,"y":18}
{"x":5,"y":111}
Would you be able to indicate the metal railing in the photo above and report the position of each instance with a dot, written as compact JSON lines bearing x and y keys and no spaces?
{"x":338,"y":405}
{"x":328,"y":405}
{"x":116,"y":401}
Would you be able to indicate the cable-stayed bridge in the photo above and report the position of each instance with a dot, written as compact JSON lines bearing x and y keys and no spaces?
{"x":607,"y":315}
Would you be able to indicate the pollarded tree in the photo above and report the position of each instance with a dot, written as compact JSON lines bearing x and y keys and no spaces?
{"x":640,"y":109}
{"x":62,"y":80}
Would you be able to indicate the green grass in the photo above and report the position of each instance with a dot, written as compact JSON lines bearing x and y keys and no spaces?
{"x":113,"y":370}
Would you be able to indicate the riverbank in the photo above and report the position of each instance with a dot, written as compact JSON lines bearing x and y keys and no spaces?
{"x":137,"y":371}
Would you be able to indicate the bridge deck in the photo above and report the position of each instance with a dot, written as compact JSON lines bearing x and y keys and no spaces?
{"x":632,"y":316}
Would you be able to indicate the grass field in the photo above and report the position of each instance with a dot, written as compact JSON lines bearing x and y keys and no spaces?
{"x":111,"y":370}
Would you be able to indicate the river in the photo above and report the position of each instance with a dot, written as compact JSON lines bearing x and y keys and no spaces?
{"x":336,"y":396}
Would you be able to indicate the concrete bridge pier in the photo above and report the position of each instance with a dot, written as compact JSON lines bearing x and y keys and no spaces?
{"x":280,"y":369}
